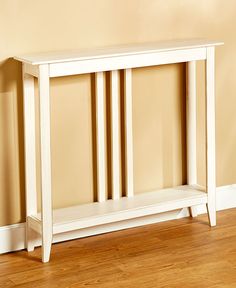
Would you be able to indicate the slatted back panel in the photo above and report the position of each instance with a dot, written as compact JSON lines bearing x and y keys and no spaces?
{"x":115,"y":135}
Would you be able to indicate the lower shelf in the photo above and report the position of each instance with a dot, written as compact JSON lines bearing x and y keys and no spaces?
{"x":93,"y":214}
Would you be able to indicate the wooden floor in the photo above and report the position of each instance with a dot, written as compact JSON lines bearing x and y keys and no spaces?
{"x":180,"y":253}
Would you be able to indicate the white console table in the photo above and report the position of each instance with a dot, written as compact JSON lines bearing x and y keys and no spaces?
{"x":47,"y":65}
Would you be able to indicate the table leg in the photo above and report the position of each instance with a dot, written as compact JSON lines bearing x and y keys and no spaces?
{"x":210,"y":134}
{"x":46,"y":197}
{"x":191,"y":128}
{"x":30,"y":155}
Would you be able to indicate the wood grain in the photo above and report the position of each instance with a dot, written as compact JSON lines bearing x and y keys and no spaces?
{"x":179,"y":253}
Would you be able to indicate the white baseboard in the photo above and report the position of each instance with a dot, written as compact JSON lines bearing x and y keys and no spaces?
{"x":12,"y":237}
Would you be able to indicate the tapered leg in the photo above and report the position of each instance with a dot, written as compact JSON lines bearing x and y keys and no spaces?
{"x":30,"y":156}
{"x":210,"y":134}
{"x":45,"y":162}
{"x":191,"y":128}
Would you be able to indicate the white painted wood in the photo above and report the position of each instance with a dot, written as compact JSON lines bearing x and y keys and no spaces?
{"x":210,"y":134}
{"x":100,"y":127}
{"x":92,"y":214}
{"x":13,"y":236}
{"x":191,"y":129}
{"x":45,"y":136}
{"x":114,"y":51}
{"x":125,"y":62}
{"x":128,"y":113}
{"x":191,"y":122}
{"x":32,"y":70}
{"x":30,"y":152}
{"x":106,"y":212}
{"x":115,"y":135}
{"x":35,"y":224}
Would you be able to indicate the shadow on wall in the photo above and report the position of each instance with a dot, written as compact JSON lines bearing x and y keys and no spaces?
{"x":12,"y":177}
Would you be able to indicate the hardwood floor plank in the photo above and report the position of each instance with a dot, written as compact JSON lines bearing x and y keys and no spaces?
{"x":180,"y":253}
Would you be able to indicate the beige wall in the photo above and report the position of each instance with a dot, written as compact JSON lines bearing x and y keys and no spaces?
{"x":32,"y":26}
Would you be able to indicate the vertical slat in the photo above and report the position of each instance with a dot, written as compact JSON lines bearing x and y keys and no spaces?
{"x":210,"y":134}
{"x":100,"y":124}
{"x":44,"y":97}
{"x":191,"y":115}
{"x":115,"y":144}
{"x":191,"y":123}
{"x":128,"y":132}
{"x":30,"y":154}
